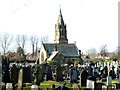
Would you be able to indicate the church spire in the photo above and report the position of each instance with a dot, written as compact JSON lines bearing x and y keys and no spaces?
{"x":60,"y":18}
{"x":60,"y":30}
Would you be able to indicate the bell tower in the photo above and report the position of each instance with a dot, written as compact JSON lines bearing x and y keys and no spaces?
{"x":60,"y":30}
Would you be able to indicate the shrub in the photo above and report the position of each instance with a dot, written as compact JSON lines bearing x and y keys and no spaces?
{"x":51,"y":63}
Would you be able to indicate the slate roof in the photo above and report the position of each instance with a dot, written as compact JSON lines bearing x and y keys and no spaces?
{"x":67,"y":50}
{"x":52,"y":56}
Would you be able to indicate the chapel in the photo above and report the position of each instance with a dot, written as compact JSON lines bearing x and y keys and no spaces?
{"x":60,"y":51}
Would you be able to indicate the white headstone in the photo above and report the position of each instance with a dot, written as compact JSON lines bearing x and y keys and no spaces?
{"x":90,"y":84}
{"x":109,"y":80}
{"x":9,"y":86}
{"x":34,"y":87}
{"x":104,"y":87}
{"x":116,"y":66}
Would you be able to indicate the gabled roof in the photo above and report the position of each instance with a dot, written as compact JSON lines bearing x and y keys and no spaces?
{"x":67,"y":50}
{"x":52,"y":56}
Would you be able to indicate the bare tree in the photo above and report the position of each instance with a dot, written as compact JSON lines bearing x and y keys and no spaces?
{"x":34,"y":40}
{"x":5,"y":41}
{"x":21,"y":41}
{"x":34,"y":43}
{"x":103,"y":50}
{"x":92,"y":53}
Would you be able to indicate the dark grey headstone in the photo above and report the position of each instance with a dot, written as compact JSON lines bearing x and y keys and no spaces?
{"x":14,"y":71}
{"x":49,"y":73}
{"x":83,"y":78}
{"x":27,"y":75}
{"x":59,"y":76}
{"x":38,"y":75}
{"x":73,"y":75}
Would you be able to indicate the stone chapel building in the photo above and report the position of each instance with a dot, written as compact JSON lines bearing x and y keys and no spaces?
{"x":60,"y":51}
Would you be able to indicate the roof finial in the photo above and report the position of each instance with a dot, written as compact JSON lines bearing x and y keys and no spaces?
{"x":60,"y":8}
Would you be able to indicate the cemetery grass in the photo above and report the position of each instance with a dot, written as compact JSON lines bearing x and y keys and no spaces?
{"x":46,"y":84}
{"x":113,"y":81}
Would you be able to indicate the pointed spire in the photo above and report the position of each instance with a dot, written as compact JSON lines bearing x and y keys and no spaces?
{"x":60,"y":18}
{"x":60,"y":9}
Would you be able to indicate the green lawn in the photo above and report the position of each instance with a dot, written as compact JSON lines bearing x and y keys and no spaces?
{"x":46,"y":84}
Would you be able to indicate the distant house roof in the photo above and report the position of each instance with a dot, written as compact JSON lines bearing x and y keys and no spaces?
{"x":29,"y":56}
{"x":108,"y":54}
{"x":67,"y":50}
{"x":12,"y":53}
{"x":85,"y":54}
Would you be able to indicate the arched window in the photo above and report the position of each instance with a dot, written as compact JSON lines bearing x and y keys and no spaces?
{"x":42,"y":56}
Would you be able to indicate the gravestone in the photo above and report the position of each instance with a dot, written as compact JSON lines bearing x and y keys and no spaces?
{"x":59,"y":76}
{"x":104,"y":87}
{"x":38,"y":75}
{"x":91,"y":81}
{"x":83,"y":78}
{"x":27,"y":75}
{"x":14,"y":74}
{"x":5,"y":70}
{"x":104,"y":73}
{"x":34,"y":87}
{"x":119,"y":77}
{"x":99,"y":86}
{"x":96,"y":73}
{"x":73,"y":75}
{"x":76,"y":86}
{"x":90,"y":70}
{"x":92,"y":65}
{"x":117,"y":86}
{"x":9,"y":86}
{"x":52,"y":86}
{"x":49,"y":73}
{"x":79,"y":70}
{"x":109,"y":81}
{"x":65,"y":75}
{"x":112,"y":73}
{"x":90,"y":84}
{"x":20,"y":80}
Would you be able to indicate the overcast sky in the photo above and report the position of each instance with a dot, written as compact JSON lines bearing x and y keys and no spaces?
{"x":91,"y":23}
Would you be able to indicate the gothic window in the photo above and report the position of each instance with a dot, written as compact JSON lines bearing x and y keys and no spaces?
{"x":42,"y":56}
